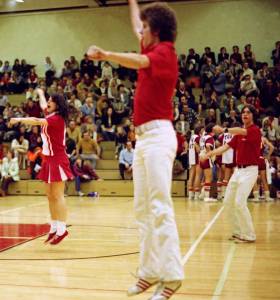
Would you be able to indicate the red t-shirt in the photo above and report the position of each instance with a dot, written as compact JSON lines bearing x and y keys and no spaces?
{"x":155,"y":86}
{"x":53,"y":136}
{"x":247,"y":147}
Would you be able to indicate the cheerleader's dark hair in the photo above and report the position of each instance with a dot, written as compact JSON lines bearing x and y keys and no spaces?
{"x":62,"y":106}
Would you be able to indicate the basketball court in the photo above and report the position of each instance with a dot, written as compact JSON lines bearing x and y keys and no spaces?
{"x":100,"y":256}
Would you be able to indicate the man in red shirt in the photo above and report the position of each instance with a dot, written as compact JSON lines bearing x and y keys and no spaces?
{"x":246,"y":143}
{"x":160,"y":260}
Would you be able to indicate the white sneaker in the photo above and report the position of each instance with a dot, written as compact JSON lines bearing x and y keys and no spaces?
{"x":209,"y":199}
{"x":166,"y":290}
{"x":268,"y":199}
{"x":256,"y":200}
{"x":81,"y":194}
{"x":140,"y":286}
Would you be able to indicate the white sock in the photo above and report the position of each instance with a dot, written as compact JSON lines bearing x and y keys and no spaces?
{"x":61,"y":228}
{"x":53,"y":226}
{"x":256,"y":195}
{"x":267,"y":194}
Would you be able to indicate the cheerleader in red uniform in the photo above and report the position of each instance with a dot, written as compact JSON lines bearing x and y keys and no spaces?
{"x":264,"y":171}
{"x":55,"y":169}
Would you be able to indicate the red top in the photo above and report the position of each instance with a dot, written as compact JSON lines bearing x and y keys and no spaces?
{"x":155,"y":86}
{"x":247,"y":147}
{"x":53,"y":136}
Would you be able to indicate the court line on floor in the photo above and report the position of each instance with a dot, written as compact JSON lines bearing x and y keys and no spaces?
{"x":201,"y":236}
{"x":21,"y":207}
{"x":221,"y":283}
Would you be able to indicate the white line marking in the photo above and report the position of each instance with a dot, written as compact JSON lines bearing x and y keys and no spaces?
{"x":198,"y":240}
{"x":20,"y":208}
{"x":223,"y":277}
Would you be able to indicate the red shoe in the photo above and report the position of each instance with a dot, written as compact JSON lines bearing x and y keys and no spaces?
{"x":50,"y":236}
{"x":58,"y":238}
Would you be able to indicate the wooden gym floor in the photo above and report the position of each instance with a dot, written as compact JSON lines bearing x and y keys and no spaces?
{"x":97,"y":259}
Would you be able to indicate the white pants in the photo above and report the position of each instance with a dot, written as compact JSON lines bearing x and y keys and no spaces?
{"x":237,"y":193}
{"x":152,"y":174}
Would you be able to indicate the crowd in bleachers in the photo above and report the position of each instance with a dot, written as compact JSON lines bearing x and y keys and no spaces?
{"x":100,"y":98}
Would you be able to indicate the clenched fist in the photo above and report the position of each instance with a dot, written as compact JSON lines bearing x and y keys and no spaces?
{"x":96,"y":53}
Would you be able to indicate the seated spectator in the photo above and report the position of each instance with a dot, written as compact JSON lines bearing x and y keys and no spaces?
{"x":131,"y":136}
{"x":4,"y":82}
{"x":88,"y":108}
{"x":107,"y":71}
{"x":74,"y":101}
{"x":20,"y":147}
{"x":120,"y":141}
{"x":74,"y":65}
{"x":182,"y":63}
{"x":34,"y":137}
{"x":103,"y":88}
{"x":193,"y":63}
{"x":83,"y":172}
{"x":276,"y":104}
{"x":66,"y":70}
{"x":32,"y":78}
{"x":108,"y":125}
{"x":35,"y":159}
{"x":88,"y":149}
{"x":71,"y":150}
{"x":32,"y":108}
{"x":89,"y":126}
{"x":9,"y":172}
{"x":268,"y":93}
{"x":247,"y":71}
{"x":182,"y":126}
{"x":123,"y":95}
{"x":248,"y":86}
{"x":119,"y":110}
{"x":3,"y":102}
{"x":190,"y":115}
{"x":211,"y":117}
{"x":126,"y":159}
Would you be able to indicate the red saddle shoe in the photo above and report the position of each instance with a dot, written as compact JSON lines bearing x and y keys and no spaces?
{"x":50,"y":236}
{"x":58,"y":238}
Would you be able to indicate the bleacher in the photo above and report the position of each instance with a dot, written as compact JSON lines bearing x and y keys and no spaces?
{"x":111,"y":185}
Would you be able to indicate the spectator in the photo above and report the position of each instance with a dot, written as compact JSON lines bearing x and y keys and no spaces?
{"x":73,"y":131}
{"x":126,"y":159}
{"x":223,"y":56}
{"x":86,"y":66}
{"x":248,"y":86}
{"x":50,"y":71}
{"x":208,"y":54}
{"x":108,"y":125}
{"x":190,"y":115}
{"x":3,"y":102}
{"x":107,"y":71}
{"x":276,"y":54}
{"x":32,"y":108}
{"x":88,"y":149}
{"x":219,"y":82}
{"x":120,"y":141}
{"x":182,"y":126}
{"x":20,"y":147}
{"x":276,"y":104}
{"x":88,"y":108}
{"x":9,"y":172}
{"x":32,"y":78}
{"x":131,"y":136}
{"x":207,"y":72}
{"x":249,"y":56}
{"x":35,"y":159}
{"x":236,"y":56}
{"x":247,"y":70}
{"x":193,"y":63}
{"x":74,"y":65}
{"x":83,"y":172}
{"x":268,"y":94}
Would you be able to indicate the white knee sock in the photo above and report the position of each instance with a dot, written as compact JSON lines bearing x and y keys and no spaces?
{"x":61,"y":228}
{"x":53,"y":226}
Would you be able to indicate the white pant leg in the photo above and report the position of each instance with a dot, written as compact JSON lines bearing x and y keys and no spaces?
{"x":148,"y":266}
{"x":229,"y":201}
{"x":158,"y":148}
{"x":246,"y":180}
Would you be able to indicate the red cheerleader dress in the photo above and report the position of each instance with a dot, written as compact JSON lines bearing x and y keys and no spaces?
{"x":56,"y":165}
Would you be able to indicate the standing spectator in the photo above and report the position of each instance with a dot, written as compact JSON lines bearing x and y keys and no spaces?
{"x":126,"y":159}
{"x":219,"y":82}
{"x":236,"y":55}
{"x":50,"y":71}
{"x":249,"y":56}
{"x":9,"y":172}
{"x":207,"y":72}
{"x":276,"y":54}
{"x":74,"y":65}
{"x":86,"y":66}
{"x":223,"y":56}
{"x":208,"y":54}
{"x":193,"y":63}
